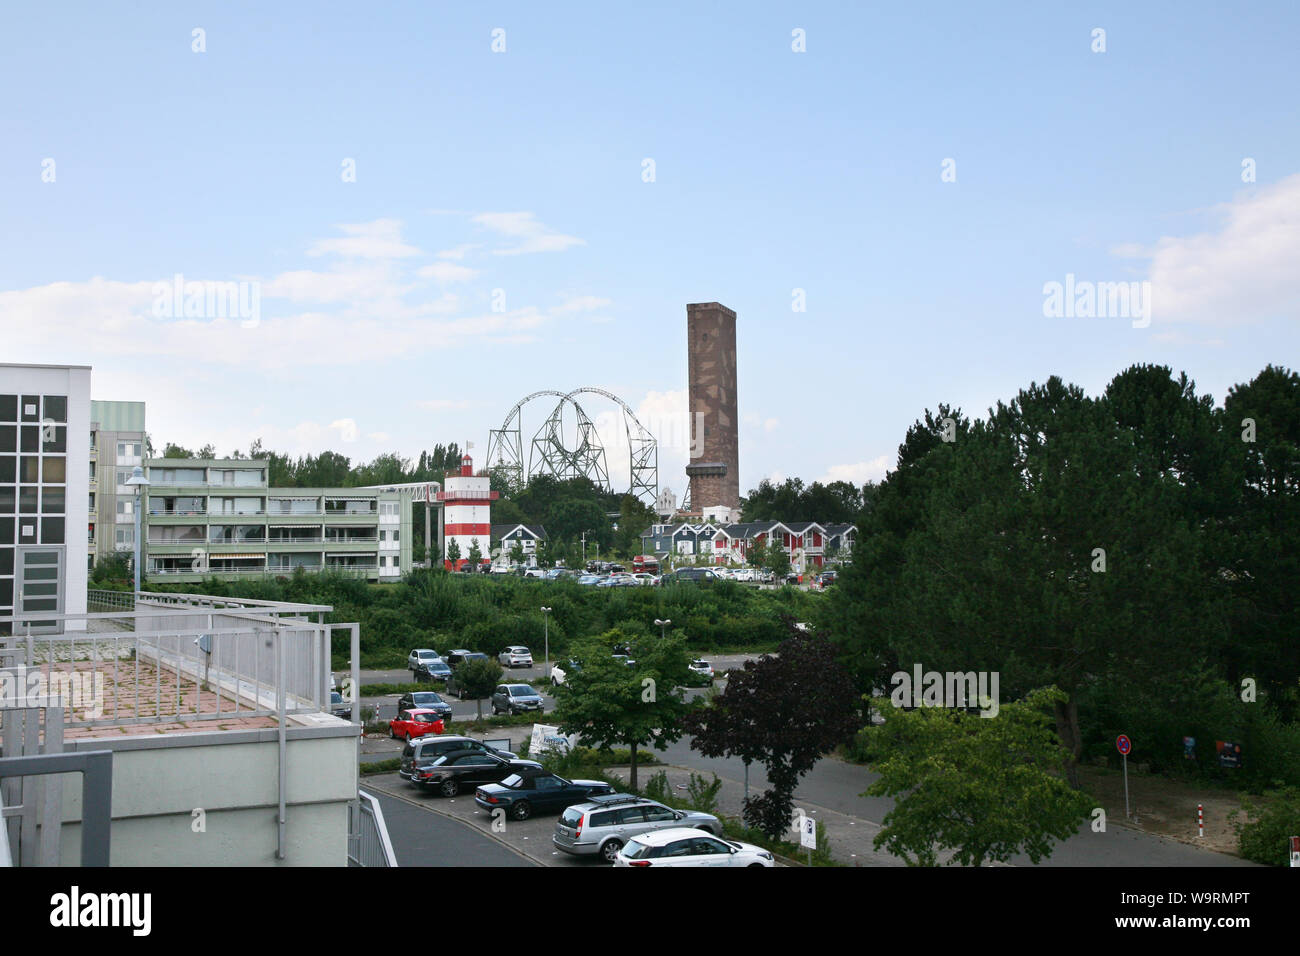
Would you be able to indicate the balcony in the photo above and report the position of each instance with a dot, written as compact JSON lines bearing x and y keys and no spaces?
{"x":468,"y":495}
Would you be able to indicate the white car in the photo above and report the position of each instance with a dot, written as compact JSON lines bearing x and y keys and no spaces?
{"x":415,"y":657}
{"x":702,"y":668}
{"x":645,"y":579}
{"x":682,"y":846}
{"x":515,"y":656}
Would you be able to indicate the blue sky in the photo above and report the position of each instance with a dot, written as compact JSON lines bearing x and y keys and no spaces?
{"x":522,"y":171}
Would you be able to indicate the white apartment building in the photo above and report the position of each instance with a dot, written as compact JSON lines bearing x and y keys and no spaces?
{"x":44,"y":492}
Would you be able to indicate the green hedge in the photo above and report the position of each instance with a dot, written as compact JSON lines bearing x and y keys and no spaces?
{"x":487,"y":612}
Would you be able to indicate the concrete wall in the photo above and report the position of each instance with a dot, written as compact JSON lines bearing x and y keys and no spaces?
{"x":233,"y":777}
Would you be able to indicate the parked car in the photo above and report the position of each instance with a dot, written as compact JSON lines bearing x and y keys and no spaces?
{"x":516,"y":656}
{"x":435,"y":669}
{"x":426,"y":699}
{"x":625,"y":659}
{"x":604,"y":824}
{"x":523,"y":794}
{"x":454,"y":686}
{"x":424,"y":750}
{"x":532,"y":572}
{"x":694,"y":574}
{"x":414,"y":659}
{"x":591,"y":579}
{"x":688,"y":847}
{"x":416,"y":722}
{"x":449,"y":773}
{"x":644,"y":578}
{"x":701,"y":670}
{"x":340,"y":707}
{"x":515,"y":699}
{"x":454,"y":658}
{"x":827,"y":578}
{"x":559,"y":674}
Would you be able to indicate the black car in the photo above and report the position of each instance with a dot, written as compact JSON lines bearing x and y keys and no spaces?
{"x":449,"y":774}
{"x":427,"y":699}
{"x":428,"y":671}
{"x":340,"y":707}
{"x":523,"y":794}
{"x":425,"y":750}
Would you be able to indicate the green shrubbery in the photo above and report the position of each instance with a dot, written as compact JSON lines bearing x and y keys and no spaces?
{"x":487,"y":613}
{"x":1264,"y":831}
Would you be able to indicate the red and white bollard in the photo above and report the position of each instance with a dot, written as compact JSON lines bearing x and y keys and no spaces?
{"x":1200,"y":819}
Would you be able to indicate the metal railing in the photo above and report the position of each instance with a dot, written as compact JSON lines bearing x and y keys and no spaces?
{"x":96,"y":769}
{"x":271,"y":570}
{"x":181,"y":658}
{"x":368,"y":842}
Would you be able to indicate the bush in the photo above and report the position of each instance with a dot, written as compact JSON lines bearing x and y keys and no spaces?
{"x":1264,"y":831}
{"x":703,"y":793}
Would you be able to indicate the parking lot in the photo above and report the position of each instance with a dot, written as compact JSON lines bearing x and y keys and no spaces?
{"x":386,"y":706}
{"x":529,"y":838}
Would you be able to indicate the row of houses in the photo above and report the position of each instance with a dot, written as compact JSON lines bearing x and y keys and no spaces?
{"x":807,"y":543}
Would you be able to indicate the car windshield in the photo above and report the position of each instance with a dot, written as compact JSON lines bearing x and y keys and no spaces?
{"x":427,"y":718}
{"x":425,"y":698}
{"x":522,"y":690}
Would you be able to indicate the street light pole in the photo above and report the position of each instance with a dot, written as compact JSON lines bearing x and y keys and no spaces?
{"x":139,"y":483}
{"x":546,"y":631}
{"x":662,"y":625}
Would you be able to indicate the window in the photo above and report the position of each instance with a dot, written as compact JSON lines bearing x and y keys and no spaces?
{"x":125,"y":510}
{"x":128,"y":453}
{"x":124,"y":538}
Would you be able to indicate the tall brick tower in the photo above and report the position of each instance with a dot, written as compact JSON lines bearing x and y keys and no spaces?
{"x":715,"y":453}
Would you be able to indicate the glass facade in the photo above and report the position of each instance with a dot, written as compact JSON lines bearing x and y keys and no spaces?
{"x":33,"y":502}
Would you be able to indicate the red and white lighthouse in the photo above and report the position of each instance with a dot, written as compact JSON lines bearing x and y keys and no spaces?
{"x":467,"y":512}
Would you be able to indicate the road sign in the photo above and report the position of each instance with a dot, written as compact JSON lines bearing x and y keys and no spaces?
{"x":1123,"y":744}
{"x":808,"y":833}
{"x":1295,"y":851}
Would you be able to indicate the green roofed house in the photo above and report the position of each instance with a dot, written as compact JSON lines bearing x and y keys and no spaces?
{"x":218,"y":517}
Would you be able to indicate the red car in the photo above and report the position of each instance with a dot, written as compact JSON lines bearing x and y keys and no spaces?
{"x":416,"y":723}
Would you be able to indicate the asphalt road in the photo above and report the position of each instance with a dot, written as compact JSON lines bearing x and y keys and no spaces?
{"x":422,"y":838}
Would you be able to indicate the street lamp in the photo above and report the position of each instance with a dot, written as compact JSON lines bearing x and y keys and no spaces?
{"x":546,"y":633}
{"x":662,"y":625}
{"x":139,"y":482}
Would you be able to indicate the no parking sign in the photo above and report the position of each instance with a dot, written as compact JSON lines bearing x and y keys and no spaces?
{"x":1123,"y":744}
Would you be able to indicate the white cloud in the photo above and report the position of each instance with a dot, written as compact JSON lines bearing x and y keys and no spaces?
{"x":447,"y":272}
{"x":380,"y":239}
{"x":531,"y":235}
{"x":1245,"y":271}
{"x":458,"y":252}
{"x":859,"y":472}
{"x":347,"y":429}
{"x":101,"y":320}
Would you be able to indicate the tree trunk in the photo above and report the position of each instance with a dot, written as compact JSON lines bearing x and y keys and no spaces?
{"x":632,"y":773}
{"x":478,"y":702}
{"x":1067,"y":728}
